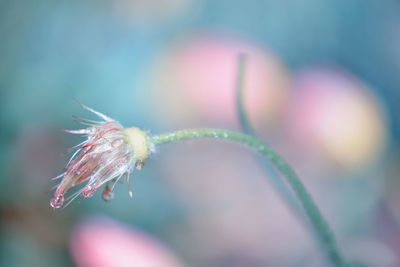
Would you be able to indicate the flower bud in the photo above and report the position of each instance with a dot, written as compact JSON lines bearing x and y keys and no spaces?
{"x":109,"y":153}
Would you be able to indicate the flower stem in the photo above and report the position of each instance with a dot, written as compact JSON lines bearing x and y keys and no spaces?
{"x":317,"y":220}
{"x":273,"y":175}
{"x":240,"y":109}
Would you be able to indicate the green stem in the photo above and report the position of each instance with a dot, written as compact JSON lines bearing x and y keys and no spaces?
{"x":247,"y":128}
{"x":317,"y":220}
{"x":240,"y":75}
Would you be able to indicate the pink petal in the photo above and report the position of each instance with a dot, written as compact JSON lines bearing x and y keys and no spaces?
{"x":101,"y":242}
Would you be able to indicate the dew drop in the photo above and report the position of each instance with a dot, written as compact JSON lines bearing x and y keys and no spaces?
{"x":57,"y":201}
{"x":107,"y":193}
{"x":139,"y":165}
{"x":88,"y":191}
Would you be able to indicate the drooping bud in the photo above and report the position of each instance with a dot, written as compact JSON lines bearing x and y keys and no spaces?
{"x":109,"y":153}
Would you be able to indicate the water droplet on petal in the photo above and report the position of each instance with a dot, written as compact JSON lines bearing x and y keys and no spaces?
{"x":88,"y":191}
{"x":57,"y":201}
{"x":107,"y":193}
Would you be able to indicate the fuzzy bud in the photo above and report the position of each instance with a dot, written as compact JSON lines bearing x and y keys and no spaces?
{"x":109,"y":153}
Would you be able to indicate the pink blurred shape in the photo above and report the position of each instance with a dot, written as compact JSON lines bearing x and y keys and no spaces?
{"x":335,"y":114}
{"x":197,"y":80}
{"x":102,"y":242}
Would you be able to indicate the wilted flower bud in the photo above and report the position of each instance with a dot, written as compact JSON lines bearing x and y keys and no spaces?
{"x":109,"y":154}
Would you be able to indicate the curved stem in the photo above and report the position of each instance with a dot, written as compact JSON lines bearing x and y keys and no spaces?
{"x":247,"y":128}
{"x":317,"y":220}
{"x":241,"y":111}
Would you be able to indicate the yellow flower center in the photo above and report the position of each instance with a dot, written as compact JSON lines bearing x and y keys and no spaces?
{"x":137,"y":140}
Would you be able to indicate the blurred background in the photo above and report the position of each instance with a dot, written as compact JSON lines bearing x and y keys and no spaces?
{"x":321,"y":86}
